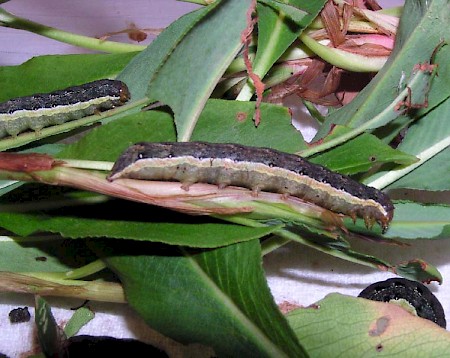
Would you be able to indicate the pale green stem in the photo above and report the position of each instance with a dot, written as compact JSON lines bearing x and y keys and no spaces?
{"x":424,"y":156}
{"x":239,"y":220}
{"x":75,"y":274}
{"x":313,"y":111}
{"x":331,"y":143}
{"x":344,"y":59}
{"x":88,"y":290}
{"x":246,"y":92}
{"x":28,"y":239}
{"x":9,"y":20}
{"x":264,"y":60}
{"x":88,"y":164}
{"x":392,"y":11}
{"x":387,"y":114}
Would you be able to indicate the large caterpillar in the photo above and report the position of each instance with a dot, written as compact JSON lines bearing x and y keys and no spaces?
{"x":45,"y":109}
{"x":256,"y":169}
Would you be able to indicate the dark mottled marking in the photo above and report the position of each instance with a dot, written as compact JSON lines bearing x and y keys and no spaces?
{"x":257,"y":169}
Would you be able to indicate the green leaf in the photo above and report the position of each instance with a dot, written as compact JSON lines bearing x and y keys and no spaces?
{"x":429,"y":140}
{"x":189,"y":74}
{"x":339,"y":247}
{"x":433,"y":175}
{"x":49,"y":334}
{"x":36,"y":254}
{"x":145,"y":65}
{"x":79,"y":319}
{"x":419,"y":221}
{"x":225,"y":301}
{"x":275,"y":34}
{"x":109,"y":141}
{"x":419,"y":270}
{"x":300,"y":11}
{"x":359,"y":154}
{"x":347,"y":326}
{"x":420,"y":32}
{"x":192,"y":235}
{"x":277,"y":30}
{"x":439,"y":90}
{"x":220,"y":121}
{"x":232,"y":122}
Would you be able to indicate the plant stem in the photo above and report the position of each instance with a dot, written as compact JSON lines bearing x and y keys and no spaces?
{"x":263,"y":60}
{"x":418,"y":82}
{"x":424,"y":156}
{"x":313,"y":111}
{"x":344,"y":59}
{"x":84,"y":271}
{"x":88,"y":164}
{"x":88,"y":290}
{"x":9,"y":20}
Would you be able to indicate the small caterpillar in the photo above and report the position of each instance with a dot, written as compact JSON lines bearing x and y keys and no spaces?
{"x":258,"y":169}
{"x":45,"y":109}
{"x":416,"y":294}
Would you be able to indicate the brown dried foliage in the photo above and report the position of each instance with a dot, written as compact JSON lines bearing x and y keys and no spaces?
{"x":322,"y":83}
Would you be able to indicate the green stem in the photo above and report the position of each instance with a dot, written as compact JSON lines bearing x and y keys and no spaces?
{"x":239,"y":220}
{"x":88,"y":164}
{"x":263,"y":61}
{"x":75,"y":274}
{"x":88,"y":290}
{"x":9,"y":20}
{"x":344,"y":59}
{"x":393,"y":11}
{"x":313,"y":111}
{"x":424,"y":156}
{"x":388,"y":114}
{"x":332,"y":143}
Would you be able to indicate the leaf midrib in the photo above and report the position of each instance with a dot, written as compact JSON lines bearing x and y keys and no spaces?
{"x":259,"y":337}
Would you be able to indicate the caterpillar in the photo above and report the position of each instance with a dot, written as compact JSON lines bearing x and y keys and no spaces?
{"x":258,"y":169}
{"x":45,"y":109}
{"x":416,"y":294}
